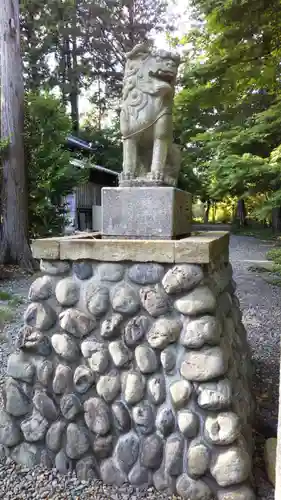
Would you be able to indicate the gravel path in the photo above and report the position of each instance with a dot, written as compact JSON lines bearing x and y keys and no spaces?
{"x":261,"y":304}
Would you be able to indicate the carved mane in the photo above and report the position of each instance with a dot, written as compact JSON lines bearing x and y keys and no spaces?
{"x":145,"y":97}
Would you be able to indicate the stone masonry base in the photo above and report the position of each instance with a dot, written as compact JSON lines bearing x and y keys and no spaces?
{"x":137,"y":372}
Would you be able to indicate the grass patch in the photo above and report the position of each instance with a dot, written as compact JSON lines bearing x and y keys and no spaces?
{"x":275,"y":255}
{"x":16,"y":301}
{"x":262,"y":233}
{"x":273,"y":280}
{"x":12,"y":300}
{"x":5,"y":315}
{"x":5,"y":295}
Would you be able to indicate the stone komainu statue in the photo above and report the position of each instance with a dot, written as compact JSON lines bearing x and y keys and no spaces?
{"x":149,"y":155}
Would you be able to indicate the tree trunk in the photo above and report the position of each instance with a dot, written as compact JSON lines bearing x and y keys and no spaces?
{"x":276,"y":219}
{"x":14,"y":244}
{"x":241,"y":212}
{"x":207,"y":211}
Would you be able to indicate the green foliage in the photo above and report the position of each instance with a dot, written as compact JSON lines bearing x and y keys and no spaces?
{"x":107,"y":145}
{"x":50,"y":173}
{"x":228,"y":113}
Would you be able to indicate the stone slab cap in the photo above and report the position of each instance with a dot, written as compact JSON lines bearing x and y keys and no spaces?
{"x":200,"y":248}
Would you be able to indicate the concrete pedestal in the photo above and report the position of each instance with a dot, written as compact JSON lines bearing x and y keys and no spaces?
{"x":146,"y":213}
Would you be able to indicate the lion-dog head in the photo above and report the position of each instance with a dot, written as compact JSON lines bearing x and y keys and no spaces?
{"x":149,"y":84}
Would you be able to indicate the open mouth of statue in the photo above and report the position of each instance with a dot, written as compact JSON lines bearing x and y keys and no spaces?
{"x":165,"y":76}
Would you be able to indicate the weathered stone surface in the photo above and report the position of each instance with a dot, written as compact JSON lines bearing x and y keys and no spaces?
{"x":126,"y":451}
{"x":47,"y":459}
{"x":111,"y":474}
{"x":124,"y":298}
{"x":76,"y":322}
{"x":146,"y":359}
{"x":54,"y":267}
{"x":182,"y":278}
{"x":97,"y":298}
{"x":208,"y":363}
{"x":109,"y":386}
{"x":154,"y":300}
{"x":215,"y":395}
{"x":119,"y":353}
{"x":156,"y":389}
{"x":111,"y":326}
{"x":237,"y":493}
{"x":45,"y":405}
{"x":199,"y":301}
{"x":102,"y":446}
{"x":163,"y":482}
{"x":40,"y":315}
{"x":83,"y":379}
{"x":41,"y":289}
{"x":174,"y":455}
{"x":136,"y":329}
{"x":223,"y":428}
{"x":85,"y":469}
{"x":200,"y":331}
{"x":70,"y":406}
{"x":67,"y":292}
{"x":97,"y":416}
{"x":83,"y":270}
{"x":168,"y":358}
{"x":121,"y":415}
{"x":33,"y":342}
{"x":16,"y":401}
{"x":110,"y":271}
{"x":63,"y":463}
{"x":224,"y":303}
{"x":65,"y":346}
{"x":44,"y":371}
{"x":10,"y":434}
{"x":149,"y":213}
{"x":180,"y":392}
{"x":270,"y":451}
{"x":151,"y":451}
{"x":97,"y":354}
{"x":133,"y":387}
{"x":165,"y":421}
{"x":189,"y":489}
{"x":188,"y":423}
{"x":198,"y":459}
{"x":20,"y":369}
{"x":26,"y":454}
{"x":146,"y":274}
{"x":54,"y":435}
{"x":230,"y":466}
{"x":163,"y":332}
{"x":35,"y":427}
{"x":77,"y":441}
{"x":62,"y":379}
{"x":139,"y":476}
{"x":143,"y":416}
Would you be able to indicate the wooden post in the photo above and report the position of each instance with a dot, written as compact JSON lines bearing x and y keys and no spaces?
{"x":14,"y":246}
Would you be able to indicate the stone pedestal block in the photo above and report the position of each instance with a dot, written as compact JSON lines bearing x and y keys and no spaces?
{"x":133,"y":364}
{"x":146,"y":212}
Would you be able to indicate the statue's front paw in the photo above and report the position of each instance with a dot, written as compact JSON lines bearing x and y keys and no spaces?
{"x":170,"y":181}
{"x":156,"y":176}
{"x":126,"y":176}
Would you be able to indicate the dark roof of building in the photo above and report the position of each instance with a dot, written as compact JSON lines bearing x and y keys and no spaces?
{"x":79,"y":144}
